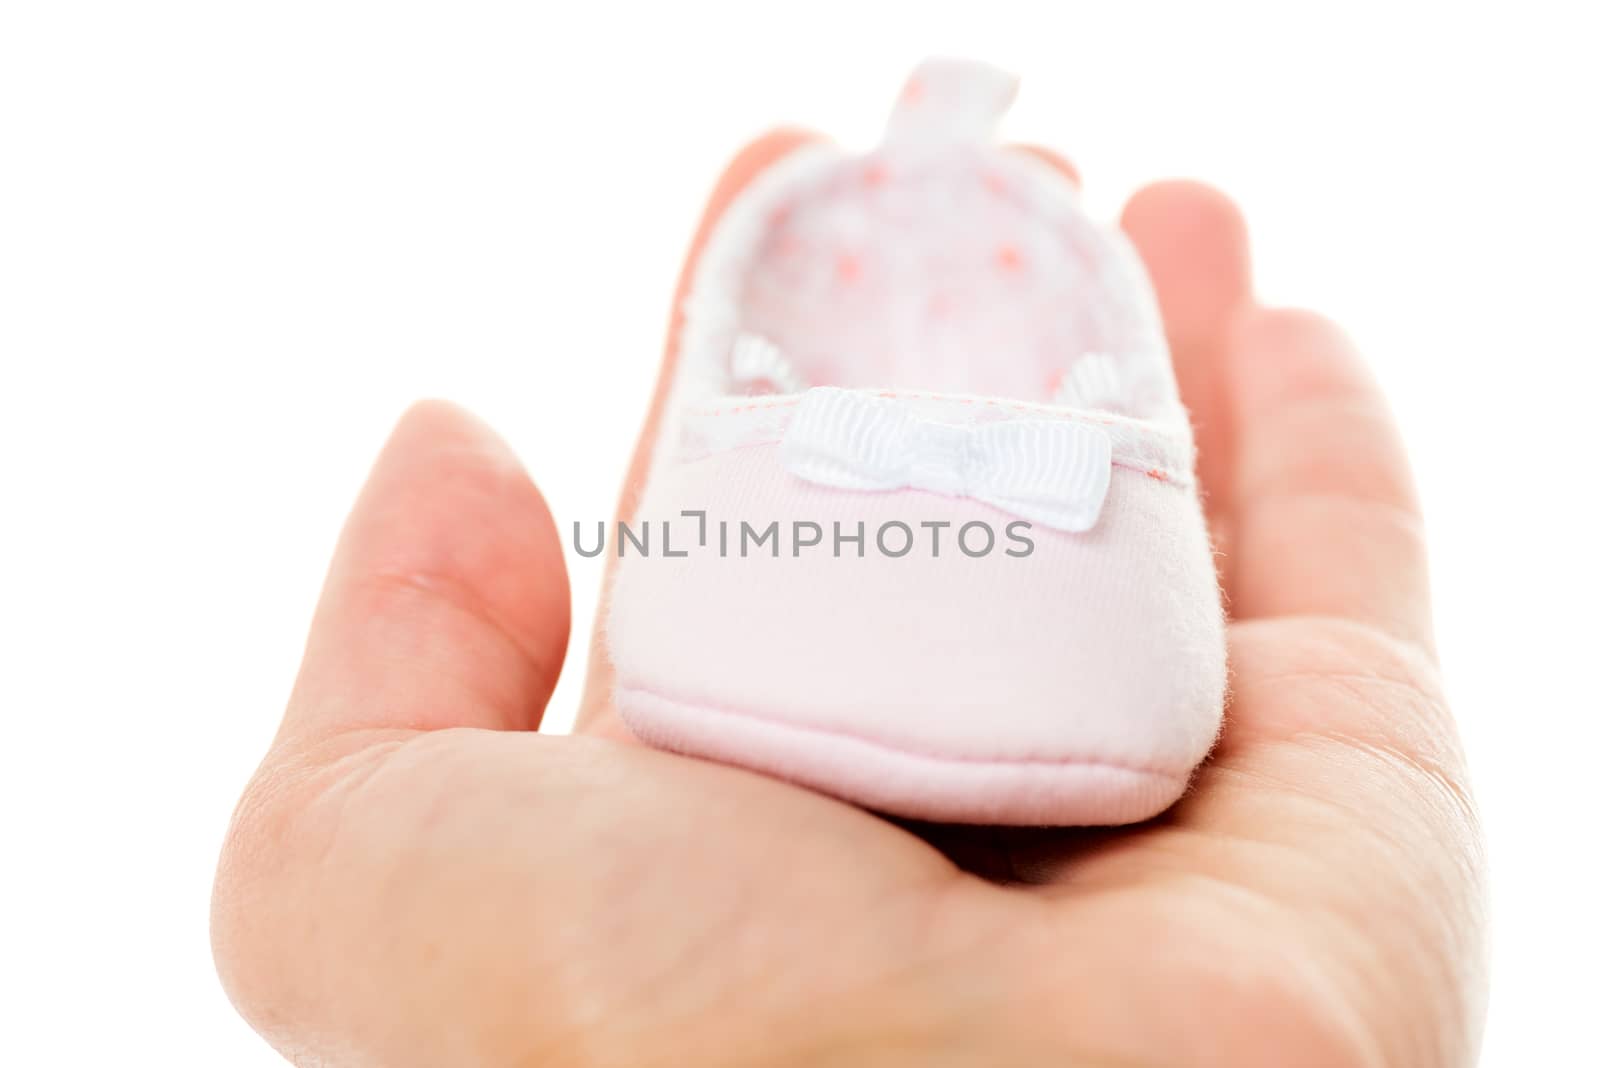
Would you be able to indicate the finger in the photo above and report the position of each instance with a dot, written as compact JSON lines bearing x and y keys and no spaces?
{"x":1194,"y":244}
{"x":447,"y":603}
{"x":1325,"y":515}
{"x":595,"y":714}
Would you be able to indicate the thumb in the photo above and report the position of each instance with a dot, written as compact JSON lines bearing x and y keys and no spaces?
{"x":447,"y":602}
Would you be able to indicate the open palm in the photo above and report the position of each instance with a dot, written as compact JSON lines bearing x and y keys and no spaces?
{"x":416,"y":877}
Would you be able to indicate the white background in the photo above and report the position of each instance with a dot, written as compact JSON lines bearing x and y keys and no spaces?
{"x":236,"y":240}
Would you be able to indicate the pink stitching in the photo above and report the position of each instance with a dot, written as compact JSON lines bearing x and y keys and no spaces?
{"x":1156,"y":473}
{"x":892,"y":394}
{"x":1160,"y":474}
{"x":775,"y":406}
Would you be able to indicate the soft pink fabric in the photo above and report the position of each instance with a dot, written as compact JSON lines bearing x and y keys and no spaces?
{"x":998,"y":298}
{"x":954,"y":285}
{"x":943,"y":789}
{"x":1077,"y":685}
{"x":940,"y":262}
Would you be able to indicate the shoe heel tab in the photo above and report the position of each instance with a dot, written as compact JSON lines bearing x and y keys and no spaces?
{"x":949,"y":103}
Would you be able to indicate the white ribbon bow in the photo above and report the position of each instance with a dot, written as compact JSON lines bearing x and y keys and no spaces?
{"x":1054,"y":472}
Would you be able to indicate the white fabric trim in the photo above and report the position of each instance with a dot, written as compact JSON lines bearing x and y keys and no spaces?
{"x":701,"y":417}
{"x":1052,"y":472}
{"x":710,"y":312}
{"x":1160,"y":450}
{"x":1094,"y":383}
{"x":755,"y":362}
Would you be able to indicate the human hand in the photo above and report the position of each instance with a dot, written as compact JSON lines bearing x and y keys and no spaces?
{"x":415,"y":877}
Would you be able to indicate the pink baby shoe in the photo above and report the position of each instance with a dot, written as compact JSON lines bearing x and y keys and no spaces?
{"x":921,"y":529}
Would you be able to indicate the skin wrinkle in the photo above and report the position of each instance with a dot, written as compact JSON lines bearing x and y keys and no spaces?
{"x":1370,"y":538}
{"x":650,"y":992}
{"x":1413,"y":739}
{"x":276,"y":808}
{"x":723,"y":934}
{"x":447,"y":803}
{"x":279,"y":801}
{"x":933,"y":1026}
{"x":1337,"y":645}
{"x":1399,"y":850}
{"x":1407,"y":950}
{"x":895,"y":904}
{"x":1355,"y":924}
{"x":596,"y":1000}
{"x":1424,"y":707}
{"x":1458,"y":812}
{"x":1361,"y":427}
{"x":1263,"y":996}
{"x":1395,"y":518}
{"x":447,"y":592}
